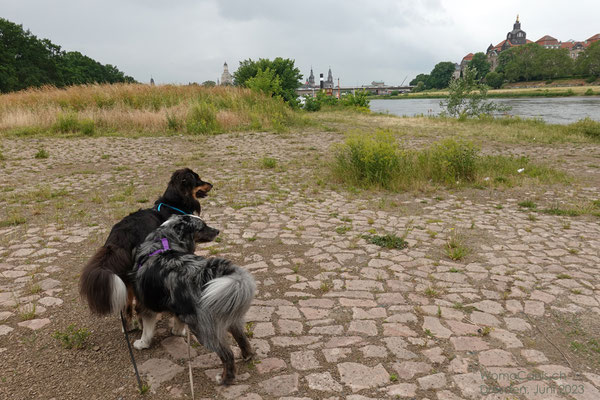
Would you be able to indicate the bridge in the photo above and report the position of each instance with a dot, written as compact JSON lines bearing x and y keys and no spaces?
{"x":373,"y":89}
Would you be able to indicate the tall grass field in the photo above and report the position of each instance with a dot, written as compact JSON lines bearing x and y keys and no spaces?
{"x":138,"y":108}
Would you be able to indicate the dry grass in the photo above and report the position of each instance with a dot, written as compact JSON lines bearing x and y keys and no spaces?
{"x":143,"y":109}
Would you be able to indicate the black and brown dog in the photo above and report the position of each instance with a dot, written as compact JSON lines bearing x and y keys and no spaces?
{"x":107,"y":274}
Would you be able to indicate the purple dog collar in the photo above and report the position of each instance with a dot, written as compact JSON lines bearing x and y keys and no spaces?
{"x":165,"y":244}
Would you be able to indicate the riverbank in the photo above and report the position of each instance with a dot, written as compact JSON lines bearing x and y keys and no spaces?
{"x":552,"y":110}
{"x":544,"y":91}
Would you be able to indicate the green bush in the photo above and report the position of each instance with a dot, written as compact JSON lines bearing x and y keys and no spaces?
{"x":173,"y":123}
{"x":70,"y":123}
{"x":87,"y":127}
{"x":357,"y":99}
{"x":66,"y":123}
{"x":589,"y":92}
{"x":588,"y":127}
{"x":369,"y":158}
{"x":312,"y":104}
{"x":202,"y":118}
{"x":591,"y":79}
{"x":450,"y":161}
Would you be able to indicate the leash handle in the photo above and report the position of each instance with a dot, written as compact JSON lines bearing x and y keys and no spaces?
{"x":137,"y":374}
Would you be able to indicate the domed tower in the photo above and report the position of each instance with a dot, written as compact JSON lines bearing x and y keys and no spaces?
{"x":226,"y":78}
{"x":517,"y":35}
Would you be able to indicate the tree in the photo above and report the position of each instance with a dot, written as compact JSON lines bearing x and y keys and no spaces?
{"x":27,"y":61}
{"x":494,"y":79}
{"x":521,"y":63}
{"x":209,"y":84}
{"x":441,"y":75}
{"x":468,"y":98}
{"x":289,"y":76}
{"x":554,"y":63}
{"x":266,"y":81}
{"x":588,"y":62}
{"x":420,"y":78}
{"x":481,"y":65}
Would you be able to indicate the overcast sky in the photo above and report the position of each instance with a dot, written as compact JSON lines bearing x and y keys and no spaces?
{"x":183,"y":41}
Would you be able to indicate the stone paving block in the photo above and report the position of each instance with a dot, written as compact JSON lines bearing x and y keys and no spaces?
{"x":360,"y":376}
{"x":304,"y":360}
{"x":281,"y":385}
{"x":323,"y":382}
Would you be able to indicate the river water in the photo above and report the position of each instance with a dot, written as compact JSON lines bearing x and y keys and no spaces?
{"x":554,"y":110}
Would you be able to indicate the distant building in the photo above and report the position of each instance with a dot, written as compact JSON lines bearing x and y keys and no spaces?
{"x":518,"y":37}
{"x":310,"y":82}
{"x":329,"y":82}
{"x":226,"y":77}
{"x":151,"y":81}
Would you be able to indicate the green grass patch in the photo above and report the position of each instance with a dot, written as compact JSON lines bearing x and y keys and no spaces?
{"x":527,"y":204}
{"x":389,"y":241}
{"x":268,"y":162}
{"x":72,"y":338}
{"x":42,"y":154}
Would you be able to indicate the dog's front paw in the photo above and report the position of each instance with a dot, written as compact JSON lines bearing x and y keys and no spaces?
{"x":247,"y":357}
{"x":178,"y":331}
{"x":141,"y":344}
{"x":224,"y":381}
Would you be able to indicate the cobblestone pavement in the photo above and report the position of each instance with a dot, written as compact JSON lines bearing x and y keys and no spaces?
{"x":335,"y":317}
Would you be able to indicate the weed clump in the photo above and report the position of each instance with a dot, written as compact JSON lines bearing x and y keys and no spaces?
{"x":389,"y":241}
{"x":72,"y":337}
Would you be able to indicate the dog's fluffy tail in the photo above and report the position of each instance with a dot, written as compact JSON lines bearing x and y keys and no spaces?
{"x":104,"y":290}
{"x":229,"y":296}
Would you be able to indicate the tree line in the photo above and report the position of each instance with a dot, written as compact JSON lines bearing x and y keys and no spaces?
{"x":528,"y":62}
{"x":26,"y":61}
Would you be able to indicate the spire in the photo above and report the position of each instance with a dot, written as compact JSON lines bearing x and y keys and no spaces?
{"x":517,"y":17}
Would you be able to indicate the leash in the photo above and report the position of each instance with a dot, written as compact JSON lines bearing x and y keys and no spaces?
{"x":171,"y":207}
{"x":190,"y":361}
{"x":137,"y":374}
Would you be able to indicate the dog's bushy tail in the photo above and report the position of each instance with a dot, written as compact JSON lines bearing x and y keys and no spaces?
{"x":104,"y":290}
{"x":229,"y":296}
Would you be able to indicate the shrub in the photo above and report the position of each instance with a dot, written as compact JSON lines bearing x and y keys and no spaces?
{"x":588,"y":127}
{"x":589,"y":92}
{"x":357,"y":99}
{"x":450,"y":161}
{"x":70,"y":123}
{"x":369,"y":158}
{"x":312,"y":104}
{"x":173,"y":123}
{"x":591,"y":79}
{"x":202,"y":118}
{"x":66,"y":123}
{"x":468,"y":98}
{"x":87,"y":127}
{"x":326,"y":99}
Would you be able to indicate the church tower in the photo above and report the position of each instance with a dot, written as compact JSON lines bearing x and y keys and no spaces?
{"x":311,"y":78}
{"x":517,"y":35}
{"x":226,"y":78}
{"x":329,"y":81}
